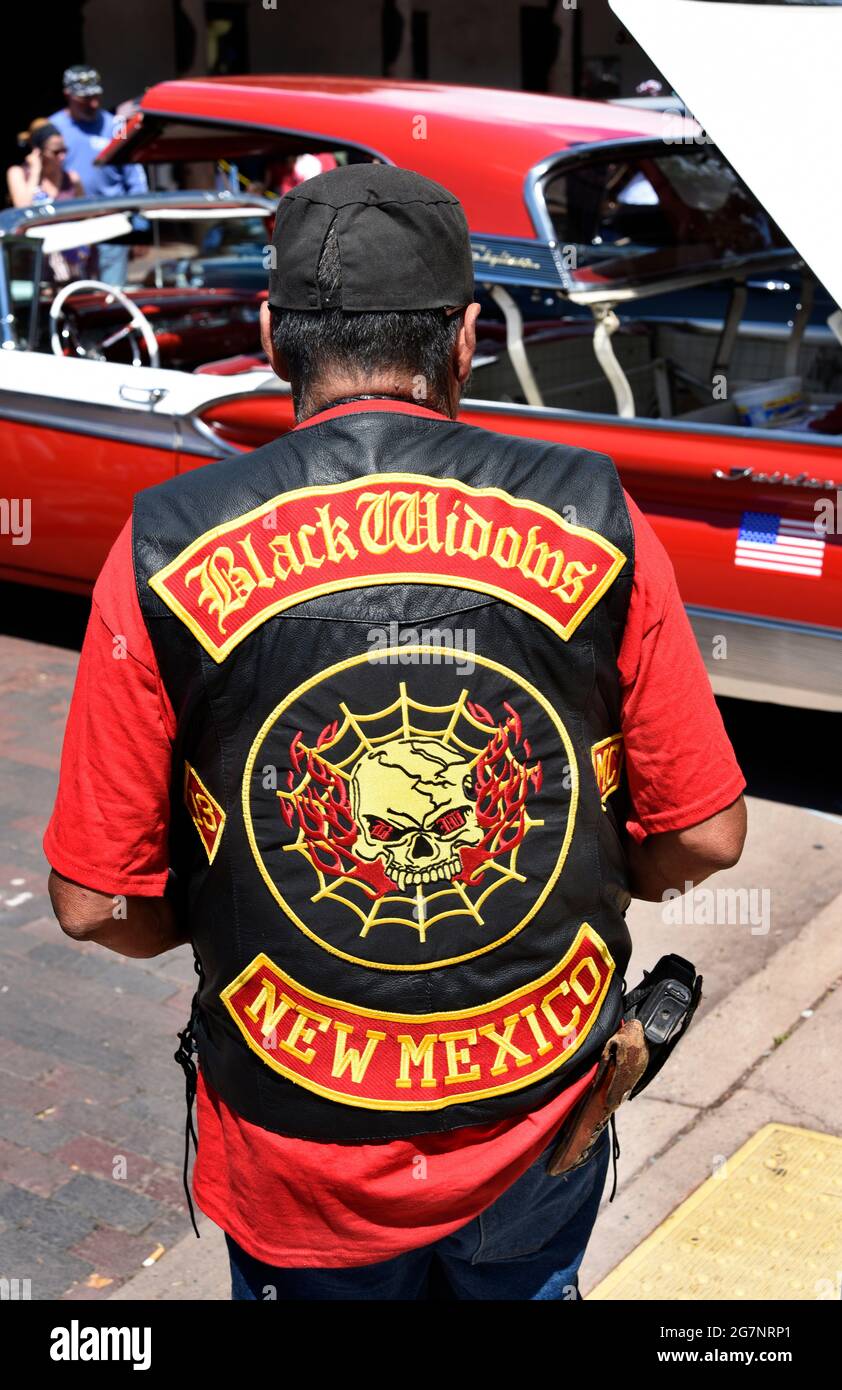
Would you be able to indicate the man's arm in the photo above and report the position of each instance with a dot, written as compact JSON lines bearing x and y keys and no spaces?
{"x":107,"y":841}
{"x":134,"y":179}
{"x":677,"y":858}
{"x":689,"y":817}
{"x":143,"y":926}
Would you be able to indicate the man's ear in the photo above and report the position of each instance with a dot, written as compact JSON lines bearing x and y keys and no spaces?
{"x":277,"y":361}
{"x":466,"y":343}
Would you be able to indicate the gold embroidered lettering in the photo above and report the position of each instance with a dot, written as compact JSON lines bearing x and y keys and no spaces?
{"x":575,"y":574}
{"x":535,"y":559}
{"x":346,"y":1058}
{"x":335,"y":532}
{"x":505,"y":1045}
{"x":416,"y":1055}
{"x":457,"y":1056}
{"x":301,"y":1032}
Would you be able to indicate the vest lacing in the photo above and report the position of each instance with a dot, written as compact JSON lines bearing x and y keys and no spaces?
{"x":615,"y":1153}
{"x":184,"y":1056}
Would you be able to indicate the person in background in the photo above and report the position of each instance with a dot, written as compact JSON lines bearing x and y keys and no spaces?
{"x":276,"y":177}
{"x":87,"y":129}
{"x":43,"y":177}
{"x":298,"y":169}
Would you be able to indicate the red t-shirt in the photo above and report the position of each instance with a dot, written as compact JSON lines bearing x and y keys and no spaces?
{"x":295,"y":1202}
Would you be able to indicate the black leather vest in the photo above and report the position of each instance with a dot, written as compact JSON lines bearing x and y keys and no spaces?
{"x":390,"y":641}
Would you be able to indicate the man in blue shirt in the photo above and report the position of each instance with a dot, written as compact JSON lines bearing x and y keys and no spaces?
{"x":87,"y":129}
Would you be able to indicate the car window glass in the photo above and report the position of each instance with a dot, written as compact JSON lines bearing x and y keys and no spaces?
{"x":682,"y":208}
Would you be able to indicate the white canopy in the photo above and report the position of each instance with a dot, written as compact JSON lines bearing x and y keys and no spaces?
{"x":764,"y":82}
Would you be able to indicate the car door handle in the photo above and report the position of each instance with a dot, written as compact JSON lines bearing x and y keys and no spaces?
{"x":142,"y":395}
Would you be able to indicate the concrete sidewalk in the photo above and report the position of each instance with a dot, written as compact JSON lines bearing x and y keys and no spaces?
{"x":91,"y":1101}
{"x":762,"y":1053}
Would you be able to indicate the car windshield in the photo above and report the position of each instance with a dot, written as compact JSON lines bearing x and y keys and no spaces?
{"x":198,"y":272}
{"x":185,"y":251}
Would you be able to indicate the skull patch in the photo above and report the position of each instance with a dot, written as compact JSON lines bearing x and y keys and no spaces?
{"x":411,"y":823}
{"x":413,"y":803}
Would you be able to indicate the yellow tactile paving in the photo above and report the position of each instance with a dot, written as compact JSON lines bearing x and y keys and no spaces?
{"x":767,"y":1225}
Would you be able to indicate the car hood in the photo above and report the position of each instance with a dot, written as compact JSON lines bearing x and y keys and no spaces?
{"x":763,"y":81}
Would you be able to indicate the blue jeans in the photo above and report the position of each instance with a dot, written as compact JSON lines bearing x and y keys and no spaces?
{"x":526,"y":1245}
{"x":113,"y":263}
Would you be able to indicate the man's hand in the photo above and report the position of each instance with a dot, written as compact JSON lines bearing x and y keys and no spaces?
{"x":679,"y":857}
{"x":131,"y":926}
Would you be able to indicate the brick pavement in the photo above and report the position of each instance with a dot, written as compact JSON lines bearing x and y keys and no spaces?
{"x":91,"y":1101}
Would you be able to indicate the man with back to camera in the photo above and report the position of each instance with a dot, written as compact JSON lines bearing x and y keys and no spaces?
{"x":405,"y":884}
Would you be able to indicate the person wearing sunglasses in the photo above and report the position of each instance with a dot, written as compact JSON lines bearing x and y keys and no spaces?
{"x":43,"y":176}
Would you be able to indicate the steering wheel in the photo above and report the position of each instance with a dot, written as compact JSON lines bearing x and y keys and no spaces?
{"x":137,"y":321}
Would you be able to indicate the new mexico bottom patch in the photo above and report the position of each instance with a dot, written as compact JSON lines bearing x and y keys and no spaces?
{"x":384,"y":1061}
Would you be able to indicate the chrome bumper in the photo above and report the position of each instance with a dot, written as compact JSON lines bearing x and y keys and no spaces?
{"x":763,"y":659}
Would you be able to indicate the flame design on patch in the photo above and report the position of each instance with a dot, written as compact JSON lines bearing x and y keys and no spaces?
{"x":385,"y":855}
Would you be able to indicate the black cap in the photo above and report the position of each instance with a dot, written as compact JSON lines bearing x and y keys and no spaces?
{"x":82,"y":81}
{"x":403,"y":241}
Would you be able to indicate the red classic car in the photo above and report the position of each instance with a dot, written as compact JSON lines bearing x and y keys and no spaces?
{"x":637,"y":300}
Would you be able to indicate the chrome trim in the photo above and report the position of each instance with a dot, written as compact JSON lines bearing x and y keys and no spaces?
{"x":197,"y":439}
{"x":779,"y":663}
{"x":187,"y":434}
{"x":31,"y":341}
{"x":142,"y":395}
{"x":16,"y":221}
{"x":732,"y":432}
{"x":541,"y":274}
{"x":748,"y":475}
{"x":332,"y":142}
{"x":815,"y":335}
{"x":572,"y":155}
{"x":93,"y":418}
{"x":8,"y":326}
{"x":714,"y":276}
{"x":533,"y":191}
{"x":81,"y":416}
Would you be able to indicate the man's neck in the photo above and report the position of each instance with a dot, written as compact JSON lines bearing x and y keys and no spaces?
{"x":341,"y":392}
{"x":82,"y":118}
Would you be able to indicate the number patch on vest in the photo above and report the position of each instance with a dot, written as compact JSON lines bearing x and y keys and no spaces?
{"x":205,"y":812}
{"x":399,"y":529}
{"x":390,"y":1061}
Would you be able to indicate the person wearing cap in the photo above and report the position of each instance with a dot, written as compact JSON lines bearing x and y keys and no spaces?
{"x":87,"y":129}
{"x":404,"y":879}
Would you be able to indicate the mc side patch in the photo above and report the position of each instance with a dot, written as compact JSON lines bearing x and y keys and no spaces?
{"x":385,"y":529}
{"x":607,"y":759}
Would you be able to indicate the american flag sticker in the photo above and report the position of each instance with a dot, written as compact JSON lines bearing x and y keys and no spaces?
{"x":769,"y":542}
